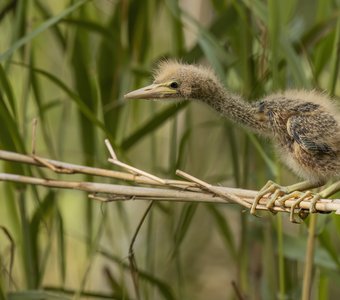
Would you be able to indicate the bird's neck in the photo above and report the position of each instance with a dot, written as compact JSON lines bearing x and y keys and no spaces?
{"x":235,"y":108}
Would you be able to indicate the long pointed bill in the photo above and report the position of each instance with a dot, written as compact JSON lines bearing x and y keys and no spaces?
{"x":152,"y":91}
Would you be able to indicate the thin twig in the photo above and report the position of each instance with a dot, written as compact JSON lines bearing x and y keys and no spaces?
{"x":12,"y":250}
{"x":136,"y":171}
{"x":110,"y":149}
{"x":237,"y":291}
{"x":132,"y":258}
{"x":114,"y":160}
{"x":52,"y":167}
{"x":212,"y":189}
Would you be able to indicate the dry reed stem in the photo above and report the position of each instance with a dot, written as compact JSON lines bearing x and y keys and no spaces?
{"x":170,"y":190}
{"x":213,"y":190}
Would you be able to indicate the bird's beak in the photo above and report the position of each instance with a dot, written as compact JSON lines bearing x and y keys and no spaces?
{"x":152,"y":91}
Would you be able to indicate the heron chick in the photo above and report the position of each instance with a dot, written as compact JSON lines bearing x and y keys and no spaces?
{"x":303,"y":125}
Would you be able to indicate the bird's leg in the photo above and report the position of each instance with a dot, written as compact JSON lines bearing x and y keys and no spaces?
{"x":326,"y":193}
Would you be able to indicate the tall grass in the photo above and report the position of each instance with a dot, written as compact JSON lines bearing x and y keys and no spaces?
{"x":69,"y":63}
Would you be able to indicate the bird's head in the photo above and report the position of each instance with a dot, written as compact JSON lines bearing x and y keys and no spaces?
{"x":174,"y":80}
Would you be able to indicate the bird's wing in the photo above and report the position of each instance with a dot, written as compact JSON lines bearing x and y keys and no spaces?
{"x":314,"y":132}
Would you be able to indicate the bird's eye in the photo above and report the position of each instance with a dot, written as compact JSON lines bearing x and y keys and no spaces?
{"x":174,"y":85}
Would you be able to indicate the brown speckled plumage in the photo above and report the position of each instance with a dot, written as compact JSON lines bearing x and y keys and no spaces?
{"x":304,"y":125}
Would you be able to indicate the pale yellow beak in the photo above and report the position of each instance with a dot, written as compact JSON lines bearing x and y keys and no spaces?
{"x":152,"y":91}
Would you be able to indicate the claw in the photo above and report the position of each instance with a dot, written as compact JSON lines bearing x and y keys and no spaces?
{"x":312,"y":208}
{"x":296,"y":203}
{"x":271,"y":201}
{"x":303,"y":214}
{"x":303,"y":196}
{"x":271,"y":188}
{"x":299,"y":196}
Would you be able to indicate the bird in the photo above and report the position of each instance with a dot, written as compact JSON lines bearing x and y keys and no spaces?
{"x":304,"y":126}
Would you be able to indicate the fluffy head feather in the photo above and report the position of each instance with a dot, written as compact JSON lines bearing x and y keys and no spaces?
{"x":190,"y":78}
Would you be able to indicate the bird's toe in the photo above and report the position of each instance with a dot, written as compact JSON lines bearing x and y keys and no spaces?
{"x":300,"y":197}
{"x":273,"y":190}
{"x":315,"y":199}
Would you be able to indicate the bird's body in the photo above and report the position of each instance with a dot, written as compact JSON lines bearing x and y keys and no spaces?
{"x":304,"y":125}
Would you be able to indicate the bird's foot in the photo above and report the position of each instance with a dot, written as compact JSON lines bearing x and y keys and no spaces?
{"x":299,"y":197}
{"x":274,"y":190}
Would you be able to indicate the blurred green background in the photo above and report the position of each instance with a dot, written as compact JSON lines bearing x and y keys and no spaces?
{"x":69,"y":63}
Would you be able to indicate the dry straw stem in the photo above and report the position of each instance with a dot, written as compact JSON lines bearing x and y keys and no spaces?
{"x":170,"y":190}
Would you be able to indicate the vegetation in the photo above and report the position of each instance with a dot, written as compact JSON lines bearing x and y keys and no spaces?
{"x":69,"y":63}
